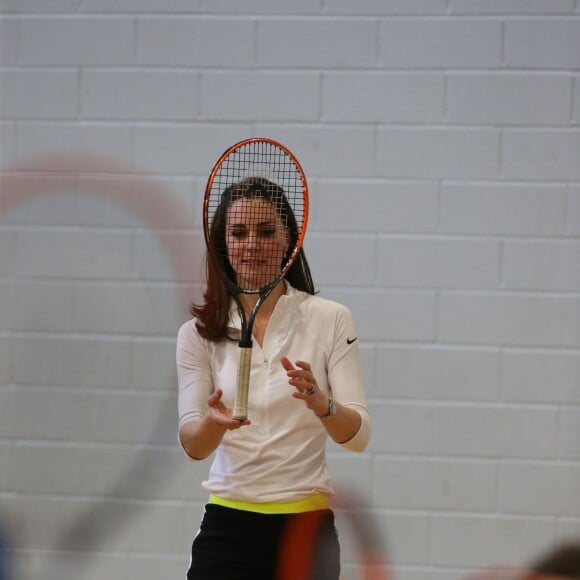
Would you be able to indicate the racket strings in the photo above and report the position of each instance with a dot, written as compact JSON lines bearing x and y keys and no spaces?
{"x":258,"y":198}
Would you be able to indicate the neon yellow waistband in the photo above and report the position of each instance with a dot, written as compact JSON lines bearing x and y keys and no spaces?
{"x":318,"y":501}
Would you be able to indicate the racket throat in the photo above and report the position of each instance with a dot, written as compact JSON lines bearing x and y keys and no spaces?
{"x":245,"y":343}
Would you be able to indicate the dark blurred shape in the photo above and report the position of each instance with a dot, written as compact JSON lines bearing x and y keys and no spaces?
{"x":562,"y":561}
{"x":4,"y":563}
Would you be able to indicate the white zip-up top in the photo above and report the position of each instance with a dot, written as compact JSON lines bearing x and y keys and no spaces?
{"x":280,"y":456}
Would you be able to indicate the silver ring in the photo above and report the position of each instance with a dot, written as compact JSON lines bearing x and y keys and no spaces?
{"x":310,"y":390}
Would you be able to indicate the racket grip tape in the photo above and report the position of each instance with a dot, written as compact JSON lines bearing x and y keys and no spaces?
{"x":241,"y":405}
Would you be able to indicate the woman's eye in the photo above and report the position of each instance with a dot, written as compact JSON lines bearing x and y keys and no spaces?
{"x":267,"y":233}
{"x":237,"y":233}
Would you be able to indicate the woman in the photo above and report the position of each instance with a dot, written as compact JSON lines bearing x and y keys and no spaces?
{"x":269,"y":475}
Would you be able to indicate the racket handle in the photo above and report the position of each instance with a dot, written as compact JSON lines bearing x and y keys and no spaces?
{"x":241,"y":405}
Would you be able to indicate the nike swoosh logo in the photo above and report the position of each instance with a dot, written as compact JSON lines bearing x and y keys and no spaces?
{"x":351,"y":340}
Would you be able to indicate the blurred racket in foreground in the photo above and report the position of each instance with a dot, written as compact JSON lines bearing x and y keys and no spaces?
{"x":97,"y":268}
{"x":357,"y":526}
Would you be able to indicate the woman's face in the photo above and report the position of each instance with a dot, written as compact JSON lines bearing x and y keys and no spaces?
{"x":256,"y":241}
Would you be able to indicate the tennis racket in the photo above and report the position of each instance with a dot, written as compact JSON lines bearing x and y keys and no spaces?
{"x":254,"y":218}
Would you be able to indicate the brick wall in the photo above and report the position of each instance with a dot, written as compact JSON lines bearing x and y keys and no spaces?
{"x":442,"y":143}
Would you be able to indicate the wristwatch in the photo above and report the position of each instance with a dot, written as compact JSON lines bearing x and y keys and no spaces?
{"x":331,"y":410}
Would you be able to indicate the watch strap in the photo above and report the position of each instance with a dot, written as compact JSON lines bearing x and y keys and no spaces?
{"x":331,"y":410}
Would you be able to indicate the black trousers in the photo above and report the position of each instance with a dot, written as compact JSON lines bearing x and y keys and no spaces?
{"x":240,"y":545}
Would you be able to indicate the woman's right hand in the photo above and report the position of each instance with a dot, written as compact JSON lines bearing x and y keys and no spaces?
{"x":200,"y":438}
{"x":222,"y":415}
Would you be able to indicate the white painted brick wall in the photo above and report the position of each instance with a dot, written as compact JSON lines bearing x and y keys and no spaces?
{"x":438,"y":153}
{"x":512,"y":209}
{"x":550,"y":154}
{"x":39,"y":94}
{"x":384,"y":97}
{"x":515,"y":7}
{"x":541,"y":265}
{"x":541,"y":488}
{"x":573,"y":222}
{"x":330,"y":251}
{"x":503,"y":319}
{"x":463,"y":540}
{"x":435,"y":373}
{"x":514,"y":99}
{"x":525,"y":374}
{"x":260,"y":96}
{"x":194,"y":42}
{"x":480,"y":42}
{"x":76,"y":42}
{"x":570,"y":434}
{"x":8,"y":43}
{"x":546,"y":44}
{"x":398,"y":206}
{"x":36,"y":139}
{"x":438,"y":263}
{"x":576,"y":114}
{"x":7,"y":142}
{"x":435,"y":484}
{"x":387,"y":7}
{"x":118,"y":94}
{"x":442,"y":146}
{"x":317,"y":43}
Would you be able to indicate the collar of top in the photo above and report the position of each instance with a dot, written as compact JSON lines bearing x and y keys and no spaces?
{"x":235,"y":318}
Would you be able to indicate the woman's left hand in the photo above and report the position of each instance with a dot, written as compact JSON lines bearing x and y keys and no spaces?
{"x":304,"y":382}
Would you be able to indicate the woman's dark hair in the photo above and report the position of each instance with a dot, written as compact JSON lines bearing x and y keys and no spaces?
{"x":212,"y":316}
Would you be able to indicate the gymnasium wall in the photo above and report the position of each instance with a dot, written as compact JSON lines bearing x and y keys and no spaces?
{"x":442,"y":143}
